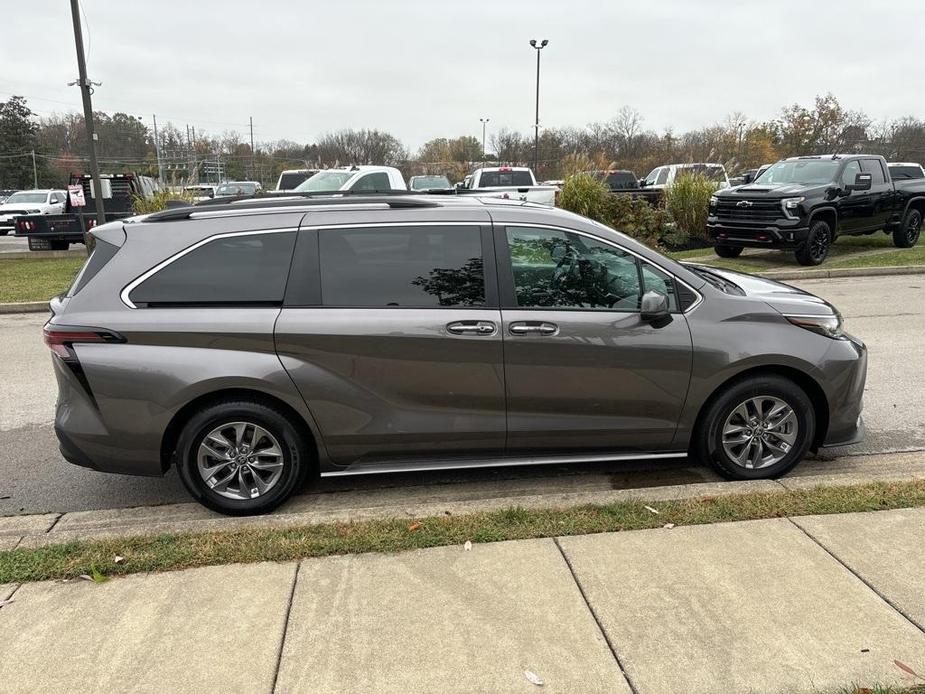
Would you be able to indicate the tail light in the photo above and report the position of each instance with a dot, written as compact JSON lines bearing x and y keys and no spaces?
{"x":61,"y":339}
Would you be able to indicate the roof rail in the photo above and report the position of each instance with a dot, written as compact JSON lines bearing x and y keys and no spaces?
{"x":264,"y":202}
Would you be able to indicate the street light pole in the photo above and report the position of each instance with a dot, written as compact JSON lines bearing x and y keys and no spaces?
{"x":86,"y":89}
{"x":157,"y":152}
{"x":536,"y":135}
{"x":484,"y":122}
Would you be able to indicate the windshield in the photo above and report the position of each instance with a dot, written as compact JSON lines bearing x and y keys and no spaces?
{"x":429,"y":182}
{"x":236,"y":189}
{"x":803,"y":171}
{"x":27,"y":197}
{"x":325,"y":180}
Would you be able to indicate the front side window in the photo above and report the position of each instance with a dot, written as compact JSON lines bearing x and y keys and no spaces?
{"x":872,"y":166}
{"x":564,"y":270}
{"x":409,"y":267}
{"x":657,"y":280}
{"x":373,"y":182}
{"x":247,"y":269}
{"x":852,"y":169}
{"x":662,"y":176}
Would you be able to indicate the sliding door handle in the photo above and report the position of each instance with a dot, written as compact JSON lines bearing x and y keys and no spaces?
{"x":471,"y":327}
{"x":530,"y":327}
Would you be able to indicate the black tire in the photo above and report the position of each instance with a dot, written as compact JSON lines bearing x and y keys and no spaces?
{"x":59,"y":245}
{"x":707,"y":441}
{"x":908,"y":233}
{"x":4,"y":232}
{"x":297,"y":455}
{"x":728,"y":251}
{"x":816,"y":248}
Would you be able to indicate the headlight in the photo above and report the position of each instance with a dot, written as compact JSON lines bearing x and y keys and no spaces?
{"x":829,"y":326}
{"x":713,"y":200}
{"x":790,"y":205}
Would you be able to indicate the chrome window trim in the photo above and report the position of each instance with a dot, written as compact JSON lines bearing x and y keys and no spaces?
{"x":697,"y":301}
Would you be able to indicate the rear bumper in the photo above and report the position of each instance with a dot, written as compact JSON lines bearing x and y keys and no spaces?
{"x":780,"y":235}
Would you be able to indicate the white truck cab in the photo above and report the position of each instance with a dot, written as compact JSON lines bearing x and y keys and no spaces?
{"x":372,"y":179}
{"x":664,"y":176}
{"x":510,"y":182}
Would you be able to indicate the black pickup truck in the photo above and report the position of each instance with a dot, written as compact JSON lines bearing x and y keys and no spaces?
{"x":805,"y":203}
{"x":54,"y":232}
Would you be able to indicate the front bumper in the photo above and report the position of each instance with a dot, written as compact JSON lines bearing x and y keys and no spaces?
{"x":782,"y":233}
{"x":847,"y":374}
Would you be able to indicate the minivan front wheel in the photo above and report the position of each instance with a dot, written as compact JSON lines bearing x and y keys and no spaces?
{"x":241,"y":457}
{"x":758,"y":428}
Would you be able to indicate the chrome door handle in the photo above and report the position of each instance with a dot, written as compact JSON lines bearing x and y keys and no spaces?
{"x":533,"y":328}
{"x":471,"y":327}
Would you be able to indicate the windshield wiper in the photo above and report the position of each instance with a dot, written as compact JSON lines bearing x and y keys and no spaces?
{"x":717,"y":281}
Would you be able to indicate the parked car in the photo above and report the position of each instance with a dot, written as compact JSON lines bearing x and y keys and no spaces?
{"x":58,"y":231}
{"x":903,"y":171}
{"x":748,"y":176}
{"x":805,"y":203}
{"x":663,"y":176}
{"x":29,"y":202}
{"x":429,"y":183}
{"x":4,"y":194}
{"x":508,"y":182}
{"x":618,"y":180}
{"x":367,"y":179}
{"x":291,"y":178}
{"x":232,"y":188}
{"x":261,"y":342}
{"x":200,"y":192}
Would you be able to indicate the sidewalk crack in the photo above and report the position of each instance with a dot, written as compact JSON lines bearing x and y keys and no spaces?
{"x":54,"y":523}
{"x":597,"y":620}
{"x":282,"y":641}
{"x":858,"y":576}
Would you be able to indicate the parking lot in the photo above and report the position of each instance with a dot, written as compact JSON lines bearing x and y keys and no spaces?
{"x":888,"y":313}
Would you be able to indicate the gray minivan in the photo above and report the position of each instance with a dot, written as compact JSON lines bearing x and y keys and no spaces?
{"x":259,"y":343}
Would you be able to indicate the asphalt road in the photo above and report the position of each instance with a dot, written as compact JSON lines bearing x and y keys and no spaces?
{"x":888,"y":313}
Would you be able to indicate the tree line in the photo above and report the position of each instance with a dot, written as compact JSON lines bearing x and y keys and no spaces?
{"x":126,"y":143}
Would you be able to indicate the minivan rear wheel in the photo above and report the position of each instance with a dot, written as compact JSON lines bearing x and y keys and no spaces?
{"x":757,"y":428}
{"x":242,"y":457}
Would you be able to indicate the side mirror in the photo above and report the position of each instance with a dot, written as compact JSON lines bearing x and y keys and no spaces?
{"x":862,"y":181}
{"x":654,"y":307}
{"x":642,"y":183}
{"x":747,"y":178}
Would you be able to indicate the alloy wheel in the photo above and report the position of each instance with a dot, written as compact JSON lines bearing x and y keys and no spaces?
{"x":760,"y":432}
{"x":240,"y":460}
{"x":819,"y":245}
{"x":914,"y":228}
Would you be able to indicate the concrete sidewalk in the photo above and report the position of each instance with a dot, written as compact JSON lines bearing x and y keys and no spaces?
{"x":808,"y":604}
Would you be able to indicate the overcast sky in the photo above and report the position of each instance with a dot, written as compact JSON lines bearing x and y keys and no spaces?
{"x":424,"y":68}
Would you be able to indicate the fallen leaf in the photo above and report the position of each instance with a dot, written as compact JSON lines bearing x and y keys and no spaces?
{"x":649,"y":508}
{"x":85,"y":577}
{"x":668,"y":526}
{"x":118,"y":559}
{"x":468,"y":545}
{"x":864,"y":690}
{"x":4,"y":603}
{"x":414,"y":526}
{"x":533,"y":678}
{"x":905,"y":668}
{"x":865,"y":650}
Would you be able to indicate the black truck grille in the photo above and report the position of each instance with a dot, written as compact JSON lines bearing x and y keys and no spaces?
{"x":749,"y":210}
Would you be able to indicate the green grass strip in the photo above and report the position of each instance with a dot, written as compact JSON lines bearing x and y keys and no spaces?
{"x":167,"y":552}
{"x":39,"y":279}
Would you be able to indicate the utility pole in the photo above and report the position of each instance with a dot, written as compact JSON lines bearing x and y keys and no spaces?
{"x":157,"y":152}
{"x":536,"y":135}
{"x":86,"y":89}
{"x":35,"y":173}
{"x":253,"y":161}
{"x":484,"y":122}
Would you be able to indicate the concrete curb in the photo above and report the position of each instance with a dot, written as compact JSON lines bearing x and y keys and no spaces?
{"x":844,"y":272}
{"x":38,"y":530}
{"x":39,"y":255}
{"x":25,"y":307}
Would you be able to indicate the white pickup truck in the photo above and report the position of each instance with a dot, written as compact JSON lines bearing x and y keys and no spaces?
{"x":509,"y":182}
{"x":30,"y":202}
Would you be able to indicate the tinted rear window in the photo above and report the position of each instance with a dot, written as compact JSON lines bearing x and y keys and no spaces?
{"x":288,"y":181}
{"x":419,"y":267}
{"x":900,"y":173}
{"x":248,"y":269}
{"x":490,"y":179}
{"x":621,"y":180}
